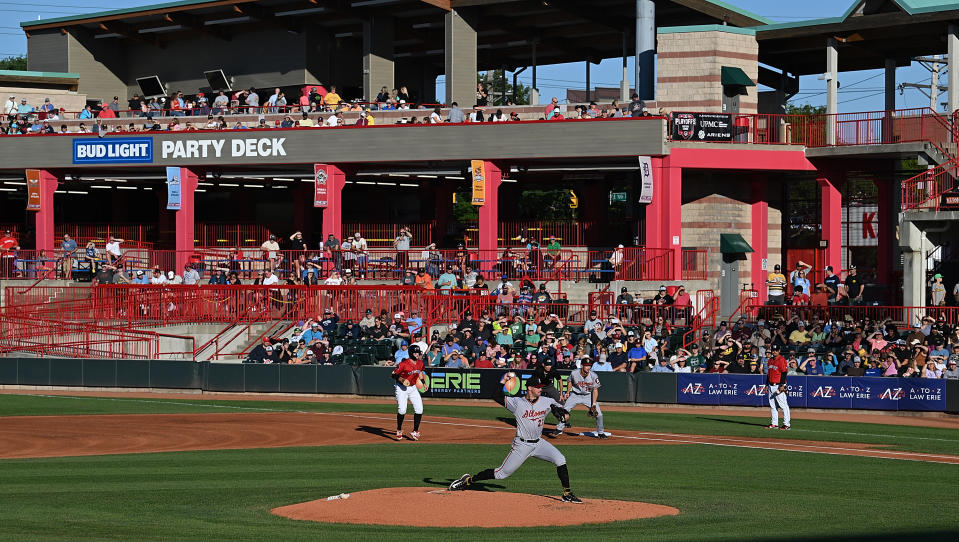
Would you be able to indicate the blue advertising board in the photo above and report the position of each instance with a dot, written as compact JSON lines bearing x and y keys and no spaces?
{"x":868,"y":393}
{"x":173,"y":200}
{"x":113,"y":150}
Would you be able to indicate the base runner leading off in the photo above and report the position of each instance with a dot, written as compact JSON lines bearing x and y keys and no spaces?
{"x":530,"y":411}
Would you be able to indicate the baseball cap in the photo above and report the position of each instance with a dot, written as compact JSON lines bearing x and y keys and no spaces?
{"x":140,"y":273}
{"x":170,"y":274}
{"x":328,"y":310}
{"x":777,"y":267}
{"x":662,"y":288}
{"x":586,"y":361}
{"x":535,"y":382}
{"x":348,"y":270}
{"x":404,"y":343}
{"x":369,"y":311}
{"x":397,"y":315}
{"x":624,"y":290}
{"x":937,"y":276}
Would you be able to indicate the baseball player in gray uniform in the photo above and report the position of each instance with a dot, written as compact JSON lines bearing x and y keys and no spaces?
{"x":530,"y":411}
{"x":582,"y":388}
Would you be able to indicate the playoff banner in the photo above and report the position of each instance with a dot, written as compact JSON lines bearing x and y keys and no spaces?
{"x":646,"y":179}
{"x":320,"y":185}
{"x":868,"y":393}
{"x":173,"y":201}
{"x":479,"y":183}
{"x":34,"y":194}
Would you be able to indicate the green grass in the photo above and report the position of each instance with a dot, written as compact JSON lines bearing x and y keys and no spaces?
{"x":723,"y":493}
{"x":895,"y":437}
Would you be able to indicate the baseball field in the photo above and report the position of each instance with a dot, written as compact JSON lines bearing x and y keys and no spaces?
{"x":150,"y":466}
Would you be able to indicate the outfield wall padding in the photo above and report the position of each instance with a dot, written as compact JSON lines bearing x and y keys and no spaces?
{"x":655,"y":387}
{"x":952,"y":396}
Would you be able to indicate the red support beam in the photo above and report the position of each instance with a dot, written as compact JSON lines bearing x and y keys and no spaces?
{"x":185,"y":218}
{"x":760,"y":239}
{"x":333,"y":212}
{"x":489,"y":213}
{"x":44,"y":217}
{"x":664,"y":216}
{"x":829,"y":182}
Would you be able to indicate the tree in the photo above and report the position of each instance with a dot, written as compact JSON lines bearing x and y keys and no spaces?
{"x":18,"y":63}
{"x":493,"y":81}
{"x":805,"y":109}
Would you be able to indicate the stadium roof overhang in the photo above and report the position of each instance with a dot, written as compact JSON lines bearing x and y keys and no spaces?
{"x":564,"y":30}
{"x":867,"y":34}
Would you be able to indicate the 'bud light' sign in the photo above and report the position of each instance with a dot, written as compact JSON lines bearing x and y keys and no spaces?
{"x":113,"y":150}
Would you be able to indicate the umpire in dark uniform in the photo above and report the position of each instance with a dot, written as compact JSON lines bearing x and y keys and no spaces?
{"x":545,"y":370}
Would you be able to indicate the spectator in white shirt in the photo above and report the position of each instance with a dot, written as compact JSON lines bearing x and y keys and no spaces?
{"x":113,"y":250}
{"x":435,"y":117}
{"x":270,"y":279}
{"x":334,"y":279}
{"x":336,"y":119}
{"x":158,"y":277}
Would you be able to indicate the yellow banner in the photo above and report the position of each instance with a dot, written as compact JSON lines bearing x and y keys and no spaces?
{"x":479,"y":183}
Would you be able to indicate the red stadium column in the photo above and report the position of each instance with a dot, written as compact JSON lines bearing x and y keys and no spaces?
{"x":831,"y":217}
{"x":333,"y":211}
{"x":489,"y":216}
{"x":184,"y":220}
{"x":44,"y":217}
{"x":885,"y":231}
{"x":664,"y":216}
{"x":760,"y":238}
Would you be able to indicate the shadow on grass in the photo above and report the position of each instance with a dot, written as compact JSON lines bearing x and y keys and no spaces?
{"x":737,"y":422}
{"x":378,"y":431}
{"x":925,"y":536}
{"x":478,"y":486}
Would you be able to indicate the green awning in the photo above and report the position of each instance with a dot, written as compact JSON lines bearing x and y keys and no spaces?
{"x":733,"y":243}
{"x":735,"y":76}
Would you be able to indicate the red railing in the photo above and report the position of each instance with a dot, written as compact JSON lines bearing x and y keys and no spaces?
{"x":695,"y":264}
{"x":50,"y":337}
{"x":925,"y":190}
{"x":705,"y":318}
{"x":633,"y":263}
{"x":381,"y":234}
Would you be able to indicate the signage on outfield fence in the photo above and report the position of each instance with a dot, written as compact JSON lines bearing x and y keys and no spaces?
{"x":702,"y":127}
{"x":869,"y":393}
{"x":475,"y":383}
{"x":115,"y":150}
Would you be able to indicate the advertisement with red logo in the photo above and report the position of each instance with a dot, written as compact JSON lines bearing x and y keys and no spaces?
{"x":320,"y":185}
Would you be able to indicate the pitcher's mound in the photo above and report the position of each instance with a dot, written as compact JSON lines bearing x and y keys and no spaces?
{"x":415,"y":507}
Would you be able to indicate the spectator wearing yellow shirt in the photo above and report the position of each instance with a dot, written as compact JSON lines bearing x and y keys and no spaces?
{"x":776,"y":284}
{"x":369,"y":117}
{"x":800,"y":336}
{"x":333,"y":99}
{"x":305,"y":122}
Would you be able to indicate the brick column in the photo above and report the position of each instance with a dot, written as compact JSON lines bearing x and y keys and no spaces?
{"x":664,"y":216}
{"x":760,"y":238}
{"x":831,"y":216}
{"x":44,"y":223}
{"x":185,"y":219}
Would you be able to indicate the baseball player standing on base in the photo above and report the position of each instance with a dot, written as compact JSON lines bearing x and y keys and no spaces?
{"x":530,"y":410}
{"x":407,"y":375}
{"x":582,"y":388}
{"x":777,"y":390}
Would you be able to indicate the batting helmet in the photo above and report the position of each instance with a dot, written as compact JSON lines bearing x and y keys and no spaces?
{"x":415,"y":349}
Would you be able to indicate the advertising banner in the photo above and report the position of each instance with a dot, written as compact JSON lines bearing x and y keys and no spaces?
{"x":475,"y":383}
{"x":34,"y":194}
{"x":876,"y":393}
{"x":479,"y":183}
{"x":745,"y":390}
{"x":702,"y":126}
{"x":923,"y":394}
{"x":113,"y":150}
{"x":646,"y":179}
{"x":697,"y":389}
{"x":320,"y":186}
{"x":173,"y":201}
{"x":829,"y":392}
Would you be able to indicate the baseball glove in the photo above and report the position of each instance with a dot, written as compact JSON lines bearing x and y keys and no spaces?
{"x":561,"y":413}
{"x":405,"y":382}
{"x":592,"y":413}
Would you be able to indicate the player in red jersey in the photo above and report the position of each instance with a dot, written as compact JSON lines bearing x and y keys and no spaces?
{"x":409,"y":377}
{"x":777,"y":390}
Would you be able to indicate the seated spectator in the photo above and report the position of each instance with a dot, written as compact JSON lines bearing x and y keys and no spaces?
{"x":617,"y":358}
{"x":456,"y":361}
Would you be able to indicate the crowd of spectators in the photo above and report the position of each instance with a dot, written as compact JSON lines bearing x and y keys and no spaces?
{"x":316,"y":107}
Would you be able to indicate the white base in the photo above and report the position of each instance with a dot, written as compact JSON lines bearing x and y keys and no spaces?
{"x":594,"y":434}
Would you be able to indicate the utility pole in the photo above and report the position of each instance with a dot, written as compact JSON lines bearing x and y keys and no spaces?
{"x":936,"y":68}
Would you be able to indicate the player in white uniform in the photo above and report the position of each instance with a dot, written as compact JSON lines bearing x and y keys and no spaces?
{"x":582,"y":388}
{"x":530,"y":411}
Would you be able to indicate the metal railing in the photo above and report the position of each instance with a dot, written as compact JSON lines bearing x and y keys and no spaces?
{"x":925,"y":190}
{"x":695,"y":264}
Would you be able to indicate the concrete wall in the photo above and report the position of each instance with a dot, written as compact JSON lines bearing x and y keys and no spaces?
{"x":61,"y":99}
{"x":102,"y":66}
{"x":689,"y":65}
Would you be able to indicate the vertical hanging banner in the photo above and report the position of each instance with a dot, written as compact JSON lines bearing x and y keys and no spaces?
{"x":646,"y":179}
{"x":34,"y":194}
{"x":479,"y":183}
{"x":320,"y":185}
{"x":173,"y":201}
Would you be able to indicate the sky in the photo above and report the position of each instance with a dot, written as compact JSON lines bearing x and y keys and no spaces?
{"x":859,"y":91}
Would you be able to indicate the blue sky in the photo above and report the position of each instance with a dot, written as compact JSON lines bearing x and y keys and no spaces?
{"x":859,"y":91}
